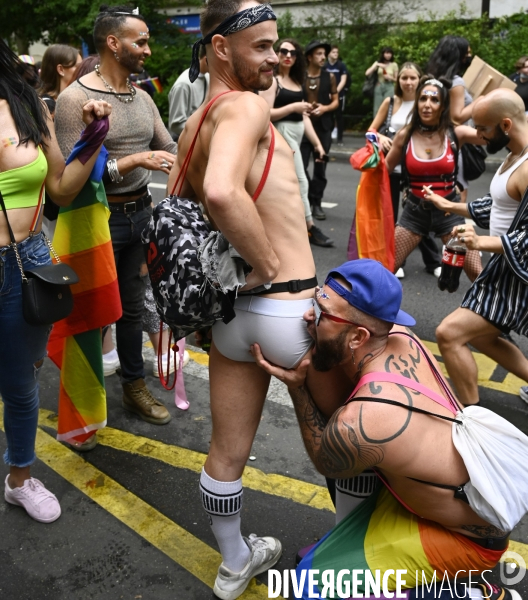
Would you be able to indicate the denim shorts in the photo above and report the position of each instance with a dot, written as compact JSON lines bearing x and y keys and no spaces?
{"x":422,"y":217}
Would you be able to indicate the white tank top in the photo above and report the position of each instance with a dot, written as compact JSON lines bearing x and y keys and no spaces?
{"x":399,"y":119}
{"x":503,"y":207}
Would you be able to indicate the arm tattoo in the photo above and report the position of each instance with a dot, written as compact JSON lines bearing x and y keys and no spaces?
{"x":342,"y":454}
{"x":485,"y":530}
{"x":333,"y":446}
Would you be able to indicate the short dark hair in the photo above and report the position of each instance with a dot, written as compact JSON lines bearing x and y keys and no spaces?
{"x":111,"y":20}
{"x":334,"y":47}
{"x":520,"y":62}
{"x":445,"y":116}
{"x":383,"y":50}
{"x":216,"y":11}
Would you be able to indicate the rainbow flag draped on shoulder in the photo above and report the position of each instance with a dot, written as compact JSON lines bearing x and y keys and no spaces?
{"x":82,"y":240}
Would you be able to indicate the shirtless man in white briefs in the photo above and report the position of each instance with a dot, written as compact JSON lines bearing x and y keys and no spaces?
{"x":226,"y":168}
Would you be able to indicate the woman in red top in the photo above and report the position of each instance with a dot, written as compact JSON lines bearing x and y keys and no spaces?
{"x":426,"y":149}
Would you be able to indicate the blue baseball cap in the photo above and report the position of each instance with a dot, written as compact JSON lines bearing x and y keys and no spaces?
{"x":375,"y":290}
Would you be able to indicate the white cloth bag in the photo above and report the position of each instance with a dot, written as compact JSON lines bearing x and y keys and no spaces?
{"x":495,"y":454}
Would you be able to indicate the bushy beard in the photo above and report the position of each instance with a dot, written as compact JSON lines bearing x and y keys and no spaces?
{"x":329,"y":354}
{"x":499,"y":141}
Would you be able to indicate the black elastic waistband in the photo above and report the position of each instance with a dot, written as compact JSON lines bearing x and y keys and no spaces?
{"x":131,"y":207}
{"x":142,"y":190}
{"x":491,"y":543}
{"x":293,"y":286}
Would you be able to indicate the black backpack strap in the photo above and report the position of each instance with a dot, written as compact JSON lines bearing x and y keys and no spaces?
{"x":455,"y":147}
{"x":411,"y":408}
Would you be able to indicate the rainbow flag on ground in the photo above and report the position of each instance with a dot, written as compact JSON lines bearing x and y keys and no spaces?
{"x":381,"y":534}
{"x":82,"y":240}
{"x":372,"y":231}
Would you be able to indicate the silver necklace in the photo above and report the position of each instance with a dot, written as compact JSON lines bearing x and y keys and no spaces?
{"x":125,"y":98}
{"x":313,"y":82}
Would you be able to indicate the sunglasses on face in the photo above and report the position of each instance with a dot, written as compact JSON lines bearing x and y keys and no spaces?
{"x":285,"y":52}
{"x":319,"y":314}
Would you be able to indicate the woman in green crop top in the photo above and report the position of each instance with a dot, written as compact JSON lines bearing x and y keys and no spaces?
{"x":29,"y":159}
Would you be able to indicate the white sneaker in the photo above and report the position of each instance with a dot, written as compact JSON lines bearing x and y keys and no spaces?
{"x":265,"y":552}
{"x":399,"y":273}
{"x":174,"y":362}
{"x":437,"y":272}
{"x":334,"y":133}
{"x":523,"y":393}
{"x":110,"y":365}
{"x":39,"y":503}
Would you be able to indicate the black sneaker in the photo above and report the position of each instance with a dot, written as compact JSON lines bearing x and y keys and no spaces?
{"x":318,"y":213}
{"x":491,"y":591}
{"x":318,"y":238}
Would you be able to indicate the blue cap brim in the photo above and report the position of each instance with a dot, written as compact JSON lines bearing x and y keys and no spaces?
{"x":402,"y":318}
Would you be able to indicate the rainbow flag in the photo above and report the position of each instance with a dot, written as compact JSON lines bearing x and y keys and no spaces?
{"x":82,"y":240}
{"x":381,"y":534}
{"x":372,"y":231}
{"x":152,"y":84}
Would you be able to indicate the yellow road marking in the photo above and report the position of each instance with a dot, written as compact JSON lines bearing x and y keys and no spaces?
{"x":301,"y":492}
{"x":178,"y":544}
{"x":199,"y":357}
{"x":148,"y":522}
{"x":486,"y":366}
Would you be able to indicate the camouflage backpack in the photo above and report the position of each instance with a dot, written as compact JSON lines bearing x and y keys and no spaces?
{"x":184,"y":298}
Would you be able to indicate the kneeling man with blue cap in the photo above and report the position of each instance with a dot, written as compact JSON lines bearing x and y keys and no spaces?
{"x":376,"y":415}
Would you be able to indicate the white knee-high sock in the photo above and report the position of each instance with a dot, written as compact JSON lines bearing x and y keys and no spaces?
{"x":222,"y":501}
{"x":350,"y":493}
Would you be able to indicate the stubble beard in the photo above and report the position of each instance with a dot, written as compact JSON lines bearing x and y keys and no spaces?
{"x":131,"y":62}
{"x":248,"y":78}
{"x":329,"y":354}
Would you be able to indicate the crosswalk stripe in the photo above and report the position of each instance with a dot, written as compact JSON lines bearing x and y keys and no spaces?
{"x":185,"y":549}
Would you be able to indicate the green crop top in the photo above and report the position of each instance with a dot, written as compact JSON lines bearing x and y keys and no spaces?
{"x":21,"y":187}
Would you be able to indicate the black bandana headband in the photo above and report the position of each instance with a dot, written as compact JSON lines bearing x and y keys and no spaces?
{"x":239,"y":21}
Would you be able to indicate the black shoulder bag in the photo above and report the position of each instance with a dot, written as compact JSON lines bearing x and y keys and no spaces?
{"x":46,"y":293}
{"x":386,"y":128}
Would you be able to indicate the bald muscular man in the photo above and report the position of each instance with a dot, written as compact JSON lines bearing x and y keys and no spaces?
{"x":496,"y":302}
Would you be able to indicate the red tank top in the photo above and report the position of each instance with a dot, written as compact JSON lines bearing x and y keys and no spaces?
{"x":437,"y":172}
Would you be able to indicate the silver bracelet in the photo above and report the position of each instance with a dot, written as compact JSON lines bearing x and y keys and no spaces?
{"x":113,"y":171}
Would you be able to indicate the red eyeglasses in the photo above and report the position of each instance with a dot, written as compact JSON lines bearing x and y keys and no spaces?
{"x":320,"y":313}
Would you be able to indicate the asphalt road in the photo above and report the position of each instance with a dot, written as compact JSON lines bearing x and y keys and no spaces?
{"x":132,"y":525}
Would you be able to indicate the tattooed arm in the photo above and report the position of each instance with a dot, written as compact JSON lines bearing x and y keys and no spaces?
{"x":333,"y":446}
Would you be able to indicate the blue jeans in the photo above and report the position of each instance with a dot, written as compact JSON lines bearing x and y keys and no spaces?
{"x":22,"y":347}
{"x":129,"y":258}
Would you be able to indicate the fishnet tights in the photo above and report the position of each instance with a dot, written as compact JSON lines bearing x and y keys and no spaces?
{"x":405,"y":242}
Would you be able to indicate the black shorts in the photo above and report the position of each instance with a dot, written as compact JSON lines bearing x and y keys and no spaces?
{"x":422,"y":217}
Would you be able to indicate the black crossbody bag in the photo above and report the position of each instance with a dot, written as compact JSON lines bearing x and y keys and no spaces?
{"x":46,"y":293}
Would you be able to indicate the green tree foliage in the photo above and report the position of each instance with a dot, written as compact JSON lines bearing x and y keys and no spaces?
{"x":360,"y":34}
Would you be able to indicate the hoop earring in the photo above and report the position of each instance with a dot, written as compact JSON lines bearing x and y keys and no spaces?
{"x":116,"y":57}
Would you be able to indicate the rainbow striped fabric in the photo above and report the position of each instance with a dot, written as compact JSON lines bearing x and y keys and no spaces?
{"x":82,"y":240}
{"x":372,"y":231}
{"x":382,"y":534}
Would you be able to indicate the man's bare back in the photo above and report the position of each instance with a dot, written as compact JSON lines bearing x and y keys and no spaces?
{"x":410,"y":445}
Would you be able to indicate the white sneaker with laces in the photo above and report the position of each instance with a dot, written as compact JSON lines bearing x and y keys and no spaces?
{"x":265,"y":552}
{"x":174,"y":362}
{"x":39,"y":503}
{"x":400,"y":273}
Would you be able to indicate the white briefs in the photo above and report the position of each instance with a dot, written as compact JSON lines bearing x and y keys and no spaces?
{"x":276,"y":325}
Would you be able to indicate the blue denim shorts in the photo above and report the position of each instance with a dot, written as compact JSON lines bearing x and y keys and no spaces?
{"x":422,"y":217}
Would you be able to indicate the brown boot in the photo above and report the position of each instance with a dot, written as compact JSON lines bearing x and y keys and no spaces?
{"x":138,"y":399}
